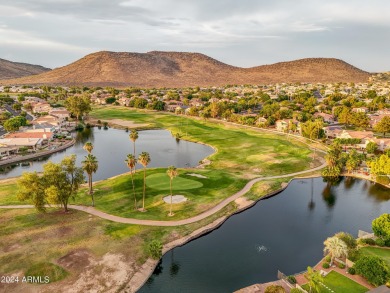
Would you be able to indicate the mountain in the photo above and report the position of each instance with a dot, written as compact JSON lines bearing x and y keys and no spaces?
{"x":9,"y":69}
{"x":179,"y":69}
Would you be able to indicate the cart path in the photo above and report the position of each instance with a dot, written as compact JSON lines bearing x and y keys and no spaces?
{"x":218,"y":207}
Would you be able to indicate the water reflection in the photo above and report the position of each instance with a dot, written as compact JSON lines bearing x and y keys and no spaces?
{"x":85,"y":135}
{"x":112,"y":146}
{"x":225,"y":259}
{"x":378,"y":192}
{"x":328,"y":194}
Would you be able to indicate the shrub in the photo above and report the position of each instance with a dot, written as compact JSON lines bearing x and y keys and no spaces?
{"x":274,"y":289}
{"x":99,"y":122}
{"x":351,"y":271}
{"x":348,"y":239}
{"x":155,"y":249}
{"x":380,"y":242}
{"x":325,"y":265}
{"x":381,"y":226}
{"x":368,"y":241}
{"x":341,"y":266}
{"x":374,"y":269}
{"x":328,"y":258}
{"x":292,"y":279}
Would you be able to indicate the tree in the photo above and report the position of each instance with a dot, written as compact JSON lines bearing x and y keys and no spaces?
{"x":380,"y":166}
{"x":31,"y":187}
{"x":155,"y":249}
{"x":335,"y":247}
{"x":131,"y":162}
{"x":383,"y":126}
{"x":133,"y":137}
{"x":333,"y":160}
{"x":381,"y":226}
{"x":78,"y":106}
{"x":172,"y":173}
{"x":315,"y":279}
{"x":58,"y":183}
{"x":144,"y":160}
{"x":353,"y":161}
{"x":88,"y":147}
{"x":14,"y":123}
{"x":371,"y":147}
{"x":90,"y":166}
{"x":373,"y":268}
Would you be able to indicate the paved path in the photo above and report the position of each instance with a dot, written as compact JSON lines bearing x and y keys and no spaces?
{"x":218,"y":207}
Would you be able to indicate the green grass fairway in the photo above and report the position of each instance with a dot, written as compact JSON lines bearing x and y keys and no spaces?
{"x":160,"y":181}
{"x":339,"y":284}
{"x":377,"y":251}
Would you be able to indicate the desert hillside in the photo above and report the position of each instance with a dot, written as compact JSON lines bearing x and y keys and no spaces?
{"x":178,"y":69}
{"x":9,"y":69}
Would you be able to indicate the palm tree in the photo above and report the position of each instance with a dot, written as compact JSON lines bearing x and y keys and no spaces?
{"x":131,"y":162}
{"x":144,"y":160}
{"x":88,"y":147}
{"x":90,"y":165}
{"x":133,"y":137}
{"x":172,"y":173}
{"x":315,"y":280}
{"x":335,"y":247}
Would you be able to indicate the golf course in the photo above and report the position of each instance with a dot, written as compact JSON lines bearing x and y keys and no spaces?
{"x":241,"y":154}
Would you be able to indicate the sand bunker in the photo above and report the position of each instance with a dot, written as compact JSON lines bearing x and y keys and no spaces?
{"x":175,"y":198}
{"x":127,"y":123}
{"x":196,"y":175}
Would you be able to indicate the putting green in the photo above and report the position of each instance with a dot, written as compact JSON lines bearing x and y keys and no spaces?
{"x":160,"y":181}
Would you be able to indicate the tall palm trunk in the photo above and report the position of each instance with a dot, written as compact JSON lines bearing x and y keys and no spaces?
{"x":135,"y":166}
{"x":170,"y":210}
{"x":90,"y":189}
{"x":143,"y":198}
{"x":132,"y":182}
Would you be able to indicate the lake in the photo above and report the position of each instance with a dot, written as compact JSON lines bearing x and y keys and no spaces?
{"x":111,"y":147}
{"x":285,"y":232}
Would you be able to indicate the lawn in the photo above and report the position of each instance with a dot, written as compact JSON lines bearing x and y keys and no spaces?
{"x":241,"y":152}
{"x":115,"y":196}
{"x":377,"y":251}
{"x":339,"y":284}
{"x":39,"y":244}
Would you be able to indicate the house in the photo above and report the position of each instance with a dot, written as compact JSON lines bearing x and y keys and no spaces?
{"x":37,"y":134}
{"x":31,"y":143}
{"x":124,"y":101}
{"x":283,"y":125}
{"x":328,"y":118}
{"x":374,"y":119}
{"x":41,"y":108}
{"x":332,"y":131}
{"x":360,"y":110}
{"x":60,"y":113}
{"x":49,"y":120}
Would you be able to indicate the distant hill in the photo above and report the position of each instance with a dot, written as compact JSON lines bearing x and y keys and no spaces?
{"x":9,"y":69}
{"x":179,"y":69}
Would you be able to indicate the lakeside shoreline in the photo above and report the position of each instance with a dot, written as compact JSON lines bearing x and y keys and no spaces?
{"x":37,"y":155}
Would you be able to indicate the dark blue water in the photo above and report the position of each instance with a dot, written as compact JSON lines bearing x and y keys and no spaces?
{"x":111,"y":147}
{"x":285,"y":232}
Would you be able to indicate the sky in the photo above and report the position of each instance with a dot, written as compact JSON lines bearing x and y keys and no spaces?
{"x":243,"y":33}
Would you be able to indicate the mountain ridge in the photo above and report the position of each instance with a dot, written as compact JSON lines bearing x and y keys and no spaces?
{"x":181,"y":69}
{"x":11,"y":70}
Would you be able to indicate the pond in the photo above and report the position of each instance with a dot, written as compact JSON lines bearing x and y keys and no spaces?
{"x":285,"y":232}
{"x":111,"y":147}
